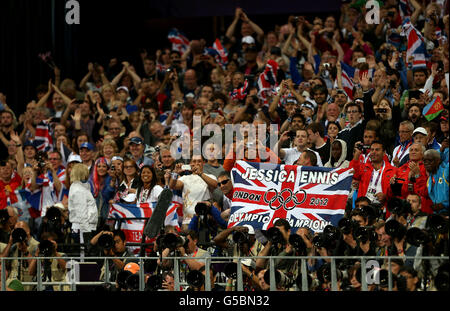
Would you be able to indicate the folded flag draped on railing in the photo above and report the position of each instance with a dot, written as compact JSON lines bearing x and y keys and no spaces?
{"x":135,"y":216}
{"x":433,"y":109}
{"x":416,"y":44}
{"x":179,"y":41}
{"x":310,"y":197}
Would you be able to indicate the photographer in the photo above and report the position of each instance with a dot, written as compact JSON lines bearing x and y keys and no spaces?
{"x":53,"y":270}
{"x":112,"y":244}
{"x":207,"y":221}
{"x":184,"y":247}
{"x":239,"y":241}
{"x":56,"y":222}
{"x":278,"y":245}
{"x":21,"y":245}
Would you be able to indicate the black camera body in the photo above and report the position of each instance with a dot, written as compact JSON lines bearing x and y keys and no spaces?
{"x":347,"y":225}
{"x":365,"y":234}
{"x":105,"y":241}
{"x":202,"y":209}
{"x":241,"y":238}
{"x":275,"y":236}
{"x":395,"y":229}
{"x":19,"y":235}
{"x":399,"y":207}
{"x":173,"y":241}
{"x":46,"y":248}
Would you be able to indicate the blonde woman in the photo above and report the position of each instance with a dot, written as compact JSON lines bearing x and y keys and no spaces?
{"x":108,"y":149}
{"x":83,"y":213}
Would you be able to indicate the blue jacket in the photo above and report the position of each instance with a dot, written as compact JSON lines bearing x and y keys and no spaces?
{"x":438,"y":183}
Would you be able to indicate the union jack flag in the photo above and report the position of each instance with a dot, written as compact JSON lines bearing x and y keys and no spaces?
{"x":240,"y":93}
{"x":179,"y":41}
{"x":43,"y":138}
{"x":305,"y":196}
{"x":347,"y":74}
{"x":223,"y":54}
{"x":416,"y":45}
{"x":405,"y":8}
{"x":267,"y":81}
{"x":135,"y":215}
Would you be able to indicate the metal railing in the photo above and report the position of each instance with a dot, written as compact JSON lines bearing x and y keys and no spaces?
{"x":179,"y":284}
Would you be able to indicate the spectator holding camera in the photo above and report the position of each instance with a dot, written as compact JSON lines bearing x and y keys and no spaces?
{"x":196,"y":186}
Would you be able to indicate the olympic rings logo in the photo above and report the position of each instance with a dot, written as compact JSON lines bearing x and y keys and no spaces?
{"x":282,"y":201}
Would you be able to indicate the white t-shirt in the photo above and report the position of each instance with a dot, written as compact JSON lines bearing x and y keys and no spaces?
{"x":195,"y":190}
{"x":292,"y":155}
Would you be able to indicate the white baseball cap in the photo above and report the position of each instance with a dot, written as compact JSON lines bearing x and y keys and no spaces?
{"x":74,"y":158}
{"x":420,"y":130}
{"x":248,"y":40}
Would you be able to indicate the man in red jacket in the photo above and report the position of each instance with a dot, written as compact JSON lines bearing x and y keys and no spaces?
{"x":413,"y":177}
{"x":374,"y":176}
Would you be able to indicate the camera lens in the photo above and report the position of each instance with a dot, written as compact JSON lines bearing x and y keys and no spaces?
{"x":105,"y":241}
{"x":19,"y":235}
{"x":195,"y":278}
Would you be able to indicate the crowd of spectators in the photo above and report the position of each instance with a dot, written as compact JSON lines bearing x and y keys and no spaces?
{"x":80,"y":146}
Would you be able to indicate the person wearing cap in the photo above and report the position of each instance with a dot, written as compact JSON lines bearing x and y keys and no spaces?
{"x":308,"y":110}
{"x":420,"y":135}
{"x":136,"y":147}
{"x":87,"y":155}
{"x":250,"y":66}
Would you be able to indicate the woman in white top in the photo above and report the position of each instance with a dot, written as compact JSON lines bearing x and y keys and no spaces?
{"x":149,"y":187}
{"x":83,"y":213}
